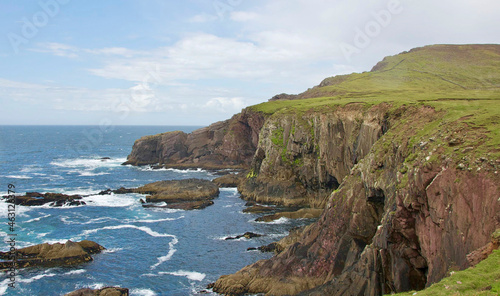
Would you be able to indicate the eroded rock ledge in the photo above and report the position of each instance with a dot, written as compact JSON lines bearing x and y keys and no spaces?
{"x":49,"y":255}
{"x":185,"y":194}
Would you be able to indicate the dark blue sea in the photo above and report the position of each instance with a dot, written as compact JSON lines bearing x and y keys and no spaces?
{"x":149,"y":251}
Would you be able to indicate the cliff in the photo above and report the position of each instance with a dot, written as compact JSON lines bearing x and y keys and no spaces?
{"x":403,"y":159}
{"x":406,"y":214}
{"x":225,"y":144}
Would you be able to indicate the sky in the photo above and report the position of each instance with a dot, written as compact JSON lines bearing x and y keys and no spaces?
{"x":194,"y":62}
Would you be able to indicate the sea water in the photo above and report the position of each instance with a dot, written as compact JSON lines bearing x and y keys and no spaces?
{"x":150,"y":251}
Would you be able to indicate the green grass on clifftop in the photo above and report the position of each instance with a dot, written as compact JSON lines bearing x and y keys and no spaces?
{"x":483,"y":279}
{"x":461,"y":80}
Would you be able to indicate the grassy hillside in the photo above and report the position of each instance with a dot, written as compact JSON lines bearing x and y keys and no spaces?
{"x":462,"y":81}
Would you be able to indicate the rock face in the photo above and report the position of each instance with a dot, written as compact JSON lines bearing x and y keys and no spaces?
{"x":107,"y":291}
{"x":225,"y":144}
{"x":185,"y":194}
{"x":404,"y":215}
{"x":301,"y":159}
{"x":47,"y":255}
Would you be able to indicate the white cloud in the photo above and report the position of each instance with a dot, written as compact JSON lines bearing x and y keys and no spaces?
{"x":58,"y":49}
{"x":243,"y":16}
{"x":226,"y":104}
{"x":202,"y":18}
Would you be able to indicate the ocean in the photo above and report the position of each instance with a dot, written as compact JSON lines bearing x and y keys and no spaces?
{"x":149,"y":251}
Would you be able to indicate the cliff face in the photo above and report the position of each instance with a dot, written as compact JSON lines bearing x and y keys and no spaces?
{"x":224,"y":144}
{"x":403,"y":159}
{"x":405,"y":215}
{"x":302,"y":158}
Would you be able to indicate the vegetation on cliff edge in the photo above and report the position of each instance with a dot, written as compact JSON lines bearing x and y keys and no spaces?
{"x":483,"y":279}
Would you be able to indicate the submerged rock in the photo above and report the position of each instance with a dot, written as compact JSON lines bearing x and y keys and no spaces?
{"x":247,"y":235}
{"x":50,"y":255}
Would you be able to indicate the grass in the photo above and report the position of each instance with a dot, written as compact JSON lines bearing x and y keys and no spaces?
{"x":461,"y":81}
{"x":483,"y":279}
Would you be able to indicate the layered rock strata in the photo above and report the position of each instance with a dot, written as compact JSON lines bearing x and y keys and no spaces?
{"x":406,"y":213}
{"x":225,"y":144}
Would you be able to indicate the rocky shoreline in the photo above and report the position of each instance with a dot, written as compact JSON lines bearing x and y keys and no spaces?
{"x":405,"y":191}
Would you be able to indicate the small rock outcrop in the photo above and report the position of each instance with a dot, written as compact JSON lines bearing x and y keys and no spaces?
{"x":185,"y":194}
{"x":50,"y":255}
{"x":107,"y":291}
{"x":54,"y":199}
{"x":247,"y":235}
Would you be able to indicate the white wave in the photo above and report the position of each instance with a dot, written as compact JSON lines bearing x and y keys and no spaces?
{"x":191,"y":275}
{"x":281,"y":220}
{"x":19,"y":210}
{"x":112,"y":250}
{"x":58,"y":241}
{"x":48,"y":206}
{"x":141,"y":228}
{"x":96,"y":286}
{"x":229,"y":206}
{"x":228,"y":236}
{"x":88,"y":162}
{"x":40,"y":235}
{"x":78,"y":271}
{"x":155,"y":221}
{"x":170,"y":254}
{"x":112,"y":201}
{"x":17,"y":177}
{"x":90,"y":174}
{"x":229,"y":189}
{"x":4,"y":285}
{"x":65,"y":220}
{"x":142,"y":292}
{"x":187,"y":171}
{"x":31,"y":168}
{"x":38,"y":219}
{"x":35,"y":278}
{"x":87,"y":166}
